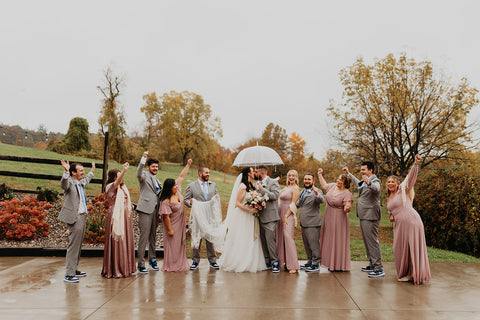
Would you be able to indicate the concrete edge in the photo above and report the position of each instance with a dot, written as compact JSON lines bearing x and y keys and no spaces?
{"x":56,"y":252}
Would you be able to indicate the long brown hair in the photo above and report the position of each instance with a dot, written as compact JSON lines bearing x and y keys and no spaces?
{"x":112,"y":176}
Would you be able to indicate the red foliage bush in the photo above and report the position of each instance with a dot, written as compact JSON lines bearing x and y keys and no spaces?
{"x":23,"y":220}
{"x":96,"y":219}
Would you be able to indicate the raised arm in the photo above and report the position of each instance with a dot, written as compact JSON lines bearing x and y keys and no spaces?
{"x":64,"y":181}
{"x":184,"y":172}
{"x":321,"y":179}
{"x":122,"y":174}
{"x":411,"y":177}
{"x":352,"y":177}
{"x":141,"y":165}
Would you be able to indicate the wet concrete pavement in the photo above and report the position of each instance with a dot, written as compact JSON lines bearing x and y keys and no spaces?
{"x":33,"y":288}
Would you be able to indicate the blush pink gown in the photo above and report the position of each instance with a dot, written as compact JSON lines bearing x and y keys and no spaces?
{"x":118,"y":252}
{"x":286,"y":248}
{"x":335,"y":238}
{"x":175,"y":256}
{"x":409,"y":246}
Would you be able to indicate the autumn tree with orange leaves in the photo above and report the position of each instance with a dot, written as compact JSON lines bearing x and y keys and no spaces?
{"x":399,"y":107}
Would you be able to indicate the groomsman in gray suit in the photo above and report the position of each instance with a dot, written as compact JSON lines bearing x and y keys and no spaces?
{"x":202,"y":190}
{"x":368,"y":211}
{"x":73,"y":214}
{"x":268,"y":217}
{"x":311,"y":221}
{"x":147,"y":209}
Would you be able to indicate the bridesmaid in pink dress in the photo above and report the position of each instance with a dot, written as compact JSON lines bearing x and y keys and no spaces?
{"x":335,"y":237}
{"x":119,"y":247}
{"x":409,"y":245}
{"x":286,"y":248}
{"x":174,"y":225}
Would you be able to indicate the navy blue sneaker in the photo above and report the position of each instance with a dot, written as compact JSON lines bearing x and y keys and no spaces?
{"x":275,"y":267}
{"x":153,"y":264}
{"x":269,"y":265}
{"x":194,"y":266}
{"x":376,"y":274}
{"x":71,"y":279}
{"x":79,"y":273}
{"x":214,"y":265}
{"x":142,"y":270}
{"x":305,"y":266}
{"x":313,"y":268}
{"x":367,"y":269}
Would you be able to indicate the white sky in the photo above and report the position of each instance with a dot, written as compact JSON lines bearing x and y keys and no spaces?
{"x":254,"y":62}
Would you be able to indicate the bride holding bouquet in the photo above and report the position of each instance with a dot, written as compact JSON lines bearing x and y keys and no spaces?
{"x":242,"y":249}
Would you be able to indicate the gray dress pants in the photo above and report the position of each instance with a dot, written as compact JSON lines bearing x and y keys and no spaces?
{"x":372,"y":246}
{"x":75,"y":239}
{"x":147,"y":223}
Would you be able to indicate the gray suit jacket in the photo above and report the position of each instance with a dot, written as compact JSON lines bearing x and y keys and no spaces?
{"x":71,"y":192}
{"x":148,"y":198}
{"x":310,"y":208}
{"x":368,"y":203}
{"x":270,"y":212}
{"x":194,"y":190}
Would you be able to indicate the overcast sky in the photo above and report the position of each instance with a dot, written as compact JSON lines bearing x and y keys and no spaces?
{"x":254,"y":62}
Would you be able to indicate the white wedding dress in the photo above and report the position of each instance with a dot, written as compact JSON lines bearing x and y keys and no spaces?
{"x":240,"y":252}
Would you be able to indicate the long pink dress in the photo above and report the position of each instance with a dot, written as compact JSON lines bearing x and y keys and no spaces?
{"x":119,"y":252}
{"x":335,"y":238}
{"x":409,"y":246}
{"x":286,"y":248}
{"x":175,"y":256}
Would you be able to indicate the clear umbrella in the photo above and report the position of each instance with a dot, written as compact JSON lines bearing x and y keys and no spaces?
{"x":257,"y":155}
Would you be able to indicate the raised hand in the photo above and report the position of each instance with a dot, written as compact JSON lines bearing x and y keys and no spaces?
{"x":125,"y":166}
{"x":345,"y":170}
{"x":189,"y":161}
{"x":93,"y":166}
{"x":418,"y":159}
{"x":320,"y":171}
{"x":145,"y":154}
{"x":65,"y":165}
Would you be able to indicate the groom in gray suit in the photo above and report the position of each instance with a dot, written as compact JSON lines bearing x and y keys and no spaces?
{"x":311,"y":221}
{"x":202,"y":190}
{"x":73,"y":213}
{"x":268,"y":217}
{"x":368,"y":211}
{"x":147,"y":209}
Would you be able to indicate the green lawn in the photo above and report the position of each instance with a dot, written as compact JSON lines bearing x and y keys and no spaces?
{"x":224,"y":186}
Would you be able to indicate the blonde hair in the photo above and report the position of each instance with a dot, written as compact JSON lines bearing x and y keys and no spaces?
{"x":296,"y":176}
{"x":402,"y":185}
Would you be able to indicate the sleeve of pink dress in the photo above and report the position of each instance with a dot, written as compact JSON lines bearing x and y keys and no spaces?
{"x":165,"y":208}
{"x":411,"y":178}
{"x":348,"y":197}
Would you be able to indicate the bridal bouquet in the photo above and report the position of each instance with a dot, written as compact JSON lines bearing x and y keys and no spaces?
{"x":256,"y":200}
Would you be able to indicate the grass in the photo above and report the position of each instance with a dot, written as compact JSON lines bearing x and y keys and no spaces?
{"x":224,"y":186}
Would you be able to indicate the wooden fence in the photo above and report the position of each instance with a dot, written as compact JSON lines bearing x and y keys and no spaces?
{"x":43,"y":176}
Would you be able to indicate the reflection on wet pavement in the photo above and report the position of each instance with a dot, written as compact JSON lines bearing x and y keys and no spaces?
{"x":33,"y":288}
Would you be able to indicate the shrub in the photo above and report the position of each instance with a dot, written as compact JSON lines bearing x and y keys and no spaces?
{"x":23,"y":220}
{"x":448,"y":200}
{"x":6,"y":193}
{"x":46,"y":194}
{"x":96,"y":219}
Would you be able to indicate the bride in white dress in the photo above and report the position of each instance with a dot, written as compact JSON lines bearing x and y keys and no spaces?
{"x":242,"y":249}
